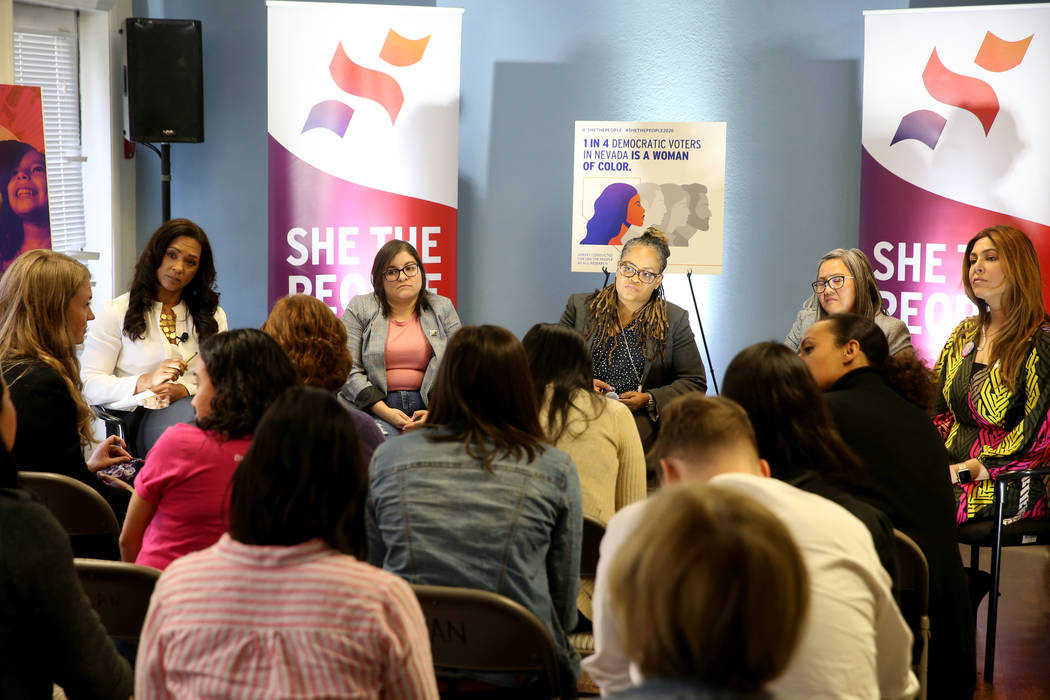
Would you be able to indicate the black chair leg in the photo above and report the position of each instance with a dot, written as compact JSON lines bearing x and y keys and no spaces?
{"x":975,"y":557}
{"x":993,"y":595}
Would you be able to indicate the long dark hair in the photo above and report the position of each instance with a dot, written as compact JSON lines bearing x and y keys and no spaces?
{"x":1023,"y":299}
{"x":383,"y":258}
{"x":200,"y":296}
{"x":483,"y":394}
{"x":248,"y":370}
{"x":904,"y":372}
{"x":792,"y":423}
{"x":303,"y":476}
{"x":558,"y":358}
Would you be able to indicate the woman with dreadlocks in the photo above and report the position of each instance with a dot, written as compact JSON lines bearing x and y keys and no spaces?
{"x":642,"y":346}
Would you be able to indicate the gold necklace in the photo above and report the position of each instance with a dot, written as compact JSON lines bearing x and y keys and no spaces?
{"x":167,"y":325}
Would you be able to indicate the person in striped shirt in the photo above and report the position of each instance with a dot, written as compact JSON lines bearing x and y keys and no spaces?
{"x":284,"y":605}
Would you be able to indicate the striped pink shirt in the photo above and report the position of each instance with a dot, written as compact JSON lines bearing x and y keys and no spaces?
{"x":244,"y":621}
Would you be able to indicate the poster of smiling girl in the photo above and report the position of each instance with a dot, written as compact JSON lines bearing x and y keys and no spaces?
{"x":25,"y":221}
{"x":631,"y":175}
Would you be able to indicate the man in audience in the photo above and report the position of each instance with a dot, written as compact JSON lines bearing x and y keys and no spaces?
{"x":855,"y":643}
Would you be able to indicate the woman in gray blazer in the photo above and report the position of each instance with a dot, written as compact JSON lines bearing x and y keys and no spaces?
{"x":642,"y":346}
{"x":397,"y":336}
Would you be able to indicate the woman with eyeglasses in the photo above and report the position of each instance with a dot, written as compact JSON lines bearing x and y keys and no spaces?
{"x":641,"y":345}
{"x":397,"y":336}
{"x":846,"y":284}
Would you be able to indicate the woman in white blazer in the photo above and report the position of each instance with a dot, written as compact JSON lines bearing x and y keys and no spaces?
{"x":143,"y":339}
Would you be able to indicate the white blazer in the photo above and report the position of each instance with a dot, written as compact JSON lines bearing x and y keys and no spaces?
{"x":112,"y":363}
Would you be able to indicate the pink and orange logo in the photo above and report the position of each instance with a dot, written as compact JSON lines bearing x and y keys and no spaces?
{"x":366,"y":83}
{"x":965,"y":92}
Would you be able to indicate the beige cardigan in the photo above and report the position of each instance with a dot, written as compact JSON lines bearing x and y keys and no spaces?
{"x":609,"y":459}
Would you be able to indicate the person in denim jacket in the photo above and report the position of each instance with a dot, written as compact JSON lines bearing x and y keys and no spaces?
{"x":476,"y":499}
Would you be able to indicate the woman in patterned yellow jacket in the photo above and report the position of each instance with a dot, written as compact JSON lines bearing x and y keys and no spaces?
{"x":994,"y":379}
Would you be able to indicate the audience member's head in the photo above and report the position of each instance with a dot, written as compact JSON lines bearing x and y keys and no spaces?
{"x":483,"y":395}
{"x":303,"y":476}
{"x":724,"y":607}
{"x":702,"y":436}
{"x":842,"y":343}
{"x":45,"y":306}
{"x":561,"y":364}
{"x":314,"y":339}
{"x":792,"y":424}
{"x":240,"y":373}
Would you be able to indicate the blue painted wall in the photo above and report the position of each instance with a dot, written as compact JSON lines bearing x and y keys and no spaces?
{"x":785,"y":76}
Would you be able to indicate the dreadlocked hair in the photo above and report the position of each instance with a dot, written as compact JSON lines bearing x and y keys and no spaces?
{"x":650,"y":323}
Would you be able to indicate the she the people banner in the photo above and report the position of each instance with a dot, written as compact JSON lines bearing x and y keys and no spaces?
{"x":628,"y":176}
{"x":25,"y":220}
{"x":363,"y":120}
{"x":955,"y":139}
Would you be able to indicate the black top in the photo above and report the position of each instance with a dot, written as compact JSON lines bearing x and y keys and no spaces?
{"x":907,"y":478}
{"x":47,"y":438}
{"x":620,"y":361}
{"x":678,"y":371}
{"x":48,"y":631}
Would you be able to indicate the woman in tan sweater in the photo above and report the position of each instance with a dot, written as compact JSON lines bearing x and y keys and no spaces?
{"x":598,"y":433}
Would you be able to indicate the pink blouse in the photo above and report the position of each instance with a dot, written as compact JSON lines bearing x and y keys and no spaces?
{"x":407,"y":355}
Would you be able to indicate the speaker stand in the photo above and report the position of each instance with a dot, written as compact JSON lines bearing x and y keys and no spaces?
{"x":164,"y":152}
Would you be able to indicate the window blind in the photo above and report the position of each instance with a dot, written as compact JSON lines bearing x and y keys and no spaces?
{"x":49,"y":60}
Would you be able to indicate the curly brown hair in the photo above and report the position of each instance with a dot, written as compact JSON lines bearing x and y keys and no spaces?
{"x":314,"y":339}
{"x":248,"y":370}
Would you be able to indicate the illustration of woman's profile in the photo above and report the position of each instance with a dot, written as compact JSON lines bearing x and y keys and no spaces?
{"x":616,"y":209}
{"x":25,"y":221}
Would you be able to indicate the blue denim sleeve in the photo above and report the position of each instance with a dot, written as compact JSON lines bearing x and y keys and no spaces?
{"x":376,"y":547}
{"x":563,"y":558}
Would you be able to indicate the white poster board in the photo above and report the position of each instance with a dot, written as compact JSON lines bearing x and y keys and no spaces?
{"x":628,"y":176}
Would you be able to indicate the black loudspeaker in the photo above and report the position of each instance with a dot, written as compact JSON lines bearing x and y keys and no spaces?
{"x":163,"y":80}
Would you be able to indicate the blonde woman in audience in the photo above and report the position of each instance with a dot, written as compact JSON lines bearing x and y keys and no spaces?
{"x":701,"y":616}
{"x":284,"y":605}
{"x":180,"y":495}
{"x":315,"y":341}
{"x":598,"y":433}
{"x":45,"y":306}
{"x":477,"y":499}
{"x":48,"y":632}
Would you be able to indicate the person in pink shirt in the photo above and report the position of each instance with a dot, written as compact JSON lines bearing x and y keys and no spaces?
{"x":284,"y":605}
{"x":180,"y":496}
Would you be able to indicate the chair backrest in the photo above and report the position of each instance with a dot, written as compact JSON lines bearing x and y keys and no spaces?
{"x":119,"y":592}
{"x":913,"y":572}
{"x":593,"y":531}
{"x":77,"y":507}
{"x":913,"y":575}
{"x":474,"y":630}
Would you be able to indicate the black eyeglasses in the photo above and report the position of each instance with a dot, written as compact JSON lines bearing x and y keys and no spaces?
{"x":392,"y":274}
{"x":833,"y":282}
{"x":628,"y":270}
